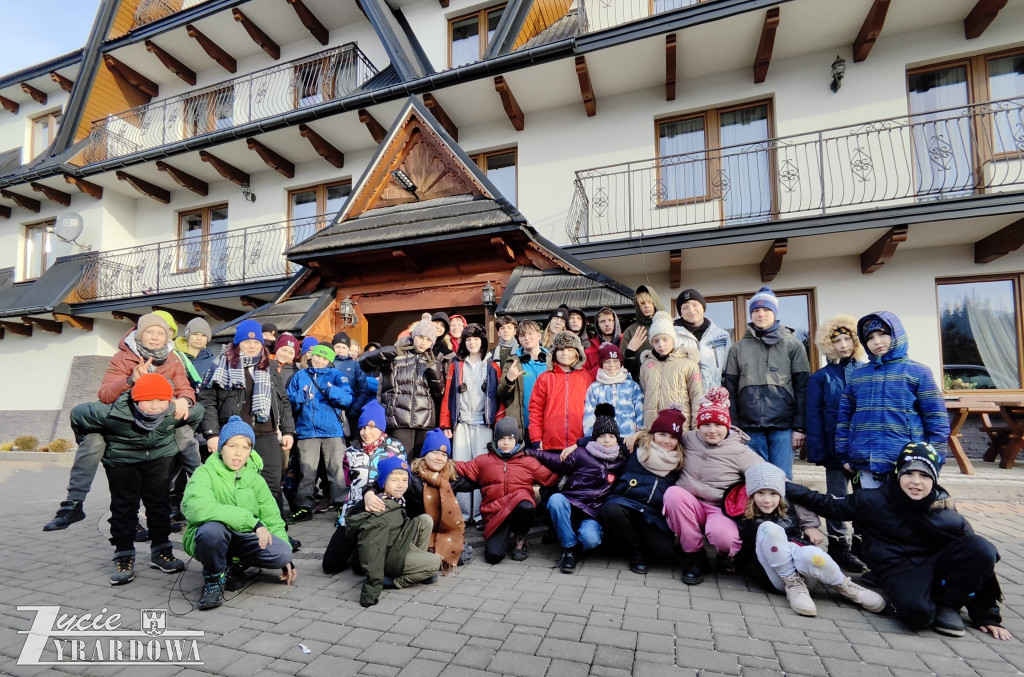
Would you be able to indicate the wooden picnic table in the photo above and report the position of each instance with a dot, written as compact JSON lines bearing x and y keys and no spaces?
{"x":961,"y":408}
{"x":1006,"y":440}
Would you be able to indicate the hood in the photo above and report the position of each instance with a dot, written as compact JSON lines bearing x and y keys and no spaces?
{"x":824,"y":341}
{"x":616,"y":333}
{"x":658,"y":305}
{"x":128,"y":342}
{"x":566,"y":339}
{"x":900,"y":343}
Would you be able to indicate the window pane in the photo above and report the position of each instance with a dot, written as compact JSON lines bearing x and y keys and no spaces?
{"x":683,"y":167}
{"x":501,"y":170}
{"x":337,"y":196}
{"x":941,"y":140}
{"x":745,"y":179}
{"x":224,"y":109}
{"x":493,"y":17}
{"x":723,"y":313}
{"x":35,"y":252}
{"x":307,"y":84}
{"x":304,"y":213}
{"x":190,"y":252}
{"x":978,"y":325}
{"x":465,"y":41}
{"x":219,"y":245}
{"x":41,"y":133}
{"x":1006,"y":80}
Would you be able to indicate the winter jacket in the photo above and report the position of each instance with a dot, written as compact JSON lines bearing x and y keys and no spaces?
{"x":713,"y":348}
{"x":588,"y":480}
{"x":888,"y":403}
{"x":767,"y":384}
{"x":316,"y":412}
{"x":238,"y":499}
{"x":709,"y":471}
{"x":287,"y":371}
{"x":626,"y":397}
{"x":593,"y":344}
{"x":361,"y":469}
{"x":824,"y":394}
{"x":196,"y":367}
{"x":221,"y":404}
{"x":504,"y":483}
{"x":122,"y":364}
{"x":515,"y":395}
{"x":639,"y":489}
{"x":454,"y":388}
{"x":361,"y":393}
{"x":411,"y":384}
{"x":630,"y":359}
{"x":382,"y":541}
{"x":675,"y":380}
{"x":556,"y":405}
{"x":127,"y":442}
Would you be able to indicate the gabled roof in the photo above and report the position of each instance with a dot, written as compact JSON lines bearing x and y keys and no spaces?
{"x":296,"y":314}
{"x":44,"y":294}
{"x":533,"y":293}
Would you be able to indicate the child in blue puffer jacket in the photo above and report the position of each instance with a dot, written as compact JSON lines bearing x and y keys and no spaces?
{"x":614,"y":385}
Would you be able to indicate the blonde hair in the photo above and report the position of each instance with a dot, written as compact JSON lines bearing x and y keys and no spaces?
{"x":420,"y":465}
{"x":644,"y":440}
{"x":753,"y":512}
{"x":643,"y":296}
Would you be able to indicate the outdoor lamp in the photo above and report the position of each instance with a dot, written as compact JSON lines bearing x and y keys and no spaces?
{"x":838,"y":71}
{"x":403,"y":180}
{"x":487,"y":295}
{"x":247,"y":193}
{"x":347,"y":312}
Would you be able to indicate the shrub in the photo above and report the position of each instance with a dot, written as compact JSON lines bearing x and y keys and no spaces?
{"x":60,"y":445}
{"x":26,"y":443}
{"x":7,"y":446}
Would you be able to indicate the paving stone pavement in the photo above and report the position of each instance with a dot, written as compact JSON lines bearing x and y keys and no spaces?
{"x":515,"y":618}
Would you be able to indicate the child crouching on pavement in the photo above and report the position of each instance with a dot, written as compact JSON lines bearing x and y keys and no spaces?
{"x":924,"y":554}
{"x":233,"y":516}
{"x":362,"y":456}
{"x":774,"y":553}
{"x":139,"y":432}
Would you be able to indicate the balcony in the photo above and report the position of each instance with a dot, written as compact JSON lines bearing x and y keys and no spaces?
{"x":939,"y":155}
{"x":149,"y":11}
{"x":261,"y":95}
{"x":214,"y":260}
{"x":597,"y":15}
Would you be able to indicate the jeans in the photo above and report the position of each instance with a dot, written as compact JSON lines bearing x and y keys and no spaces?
{"x":774,"y":446}
{"x":215,"y":543}
{"x":561,"y":511}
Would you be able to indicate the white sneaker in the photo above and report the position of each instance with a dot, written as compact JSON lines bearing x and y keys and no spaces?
{"x":799,"y":597}
{"x":868,"y":599}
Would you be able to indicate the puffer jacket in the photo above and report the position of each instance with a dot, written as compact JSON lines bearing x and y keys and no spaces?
{"x":361,"y":394}
{"x":713,"y":348}
{"x":639,"y":489}
{"x":588,"y":480}
{"x":709,"y":471}
{"x":221,"y":404}
{"x":631,"y":359}
{"x":888,"y":403}
{"x":515,"y":395}
{"x":126,"y":442}
{"x":556,"y":403}
{"x":122,"y":364}
{"x":411,"y":384}
{"x":504,"y":483}
{"x":767,"y":384}
{"x":674,"y":380}
{"x":382,"y":542}
{"x":316,"y":412}
{"x":239,"y":500}
{"x":626,"y":397}
{"x":454,"y":387}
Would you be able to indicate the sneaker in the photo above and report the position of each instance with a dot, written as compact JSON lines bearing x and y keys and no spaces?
{"x":520,"y":551}
{"x":725,"y":564}
{"x":389,"y":583}
{"x":948,"y":621}
{"x":212,"y":595}
{"x":165,"y":561}
{"x":323,"y":505}
{"x":69,"y":513}
{"x":124,"y":567}
{"x":141,"y":532}
{"x":695,"y":565}
{"x":479,"y":524}
{"x":567,"y":565}
{"x":177,"y":526}
{"x":638,"y":564}
{"x":300,"y":515}
{"x":868,"y":599}
{"x":799,"y":597}
{"x":235,"y":578}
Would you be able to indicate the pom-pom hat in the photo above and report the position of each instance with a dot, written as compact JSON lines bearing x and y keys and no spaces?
{"x":287,"y":339}
{"x":425,"y":327}
{"x":234,"y":427}
{"x":662,"y":324}
{"x":604,"y":421}
{"x":714,"y":408}
{"x":608,"y":351}
{"x":765,"y":298}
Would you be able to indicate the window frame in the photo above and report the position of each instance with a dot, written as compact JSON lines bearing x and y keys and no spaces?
{"x":45,"y":226}
{"x":54,"y":125}
{"x":181,"y":243}
{"x":481,"y":157}
{"x":481,"y":25}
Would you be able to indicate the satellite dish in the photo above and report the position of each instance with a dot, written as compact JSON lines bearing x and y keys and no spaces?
{"x":68,"y":227}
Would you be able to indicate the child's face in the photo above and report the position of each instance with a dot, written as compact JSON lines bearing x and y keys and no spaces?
{"x":441,"y":328}
{"x":611,"y":366}
{"x":663,"y":344}
{"x":285,"y":355}
{"x":567,"y":356}
{"x":879,"y":343}
{"x":766,"y":500}
{"x":713,"y":433}
{"x":197,"y":341}
{"x":235,"y":452}
{"x":556,"y":324}
{"x":506,"y":443}
{"x":397,"y":483}
{"x":152,"y":407}
{"x":422,"y":343}
{"x":153,"y":338}
{"x":457,"y":325}
{"x":646,"y":304}
{"x":606,"y":324}
{"x":474,"y":344}
{"x":843,"y":345}
{"x":436,"y":460}
{"x":507,"y":331}
{"x":341,"y":350}
{"x":370,"y":434}
{"x":665,"y":441}
{"x":575,"y":322}
{"x":916,"y":484}
{"x":318,"y":362}
{"x":762,"y":318}
{"x":607,"y":440}
{"x":250,"y":347}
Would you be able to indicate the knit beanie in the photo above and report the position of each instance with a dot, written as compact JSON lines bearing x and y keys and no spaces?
{"x":170,"y":321}
{"x":714,"y":407}
{"x":373,"y":414}
{"x":608,"y":351}
{"x":154,"y":320}
{"x":248,"y":329}
{"x":270,"y":328}
{"x":561,"y":311}
{"x":388,"y":465}
{"x":308,"y":343}
{"x":341,"y":337}
{"x":765,"y":476}
{"x":441,"y":316}
{"x":919,"y":456}
{"x":690,"y":295}
{"x":765,"y":298}
{"x":670,"y":421}
{"x":152,"y":387}
{"x":323,"y":350}
{"x":198,"y":325}
{"x":436,"y":440}
{"x":287,"y":339}
{"x":661,"y":323}
{"x":234,"y":427}
{"x":507,"y":427}
{"x":604,"y":421}
{"x":425,"y":327}
{"x":866,"y":325}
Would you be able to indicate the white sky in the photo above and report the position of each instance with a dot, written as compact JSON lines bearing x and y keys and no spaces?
{"x":39,"y":30}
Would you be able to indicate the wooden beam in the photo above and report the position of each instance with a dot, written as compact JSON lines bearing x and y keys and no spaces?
{"x":258,"y":36}
{"x":586,"y":87}
{"x":212,"y":49}
{"x":52,"y":194}
{"x":670,"y":67}
{"x":228,"y":171}
{"x":172,"y":64}
{"x":763,"y":59}
{"x":444,"y":3}
{"x":182,"y":317}
{"x":121,"y":315}
{"x":76,"y":321}
{"x":38,"y":95}
{"x":143,"y":86}
{"x":145,"y":187}
{"x":219,"y":313}
{"x":11,"y":106}
{"x":434,"y":106}
{"x":15,"y":328}
{"x":5,"y":212}
{"x":508,"y":101}
{"x":322,"y":146}
{"x":184,"y":179}
{"x":64,"y":82}
{"x":870,"y":30}
{"x":408,"y":261}
{"x":91,"y":189}
{"x":51,"y":326}
{"x":507,"y":254}
{"x":376,"y":130}
{"x":981,"y":16}
{"x":309,"y":20}
{"x":22,"y":201}
{"x":1000,"y":243}
{"x":771,"y":264}
{"x":252,"y":301}
{"x":876,"y":256}
{"x":675,"y":268}
{"x":274,"y":160}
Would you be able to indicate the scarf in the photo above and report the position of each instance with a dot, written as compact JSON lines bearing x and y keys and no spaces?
{"x":148,"y":422}
{"x":658,"y":460}
{"x":698,"y":331}
{"x":448,"y":537}
{"x":602,"y":453}
{"x":604,"y":378}
{"x":159,"y":356}
{"x":769,"y":336}
{"x":227,"y":377}
{"x":371,"y":448}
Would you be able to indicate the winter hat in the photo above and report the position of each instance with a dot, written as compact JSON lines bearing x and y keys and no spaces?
{"x":507,"y":427}
{"x":608,"y":351}
{"x":373,"y":414}
{"x":436,"y":440}
{"x":270,"y":328}
{"x":690,"y":295}
{"x":765,"y":298}
{"x":661,"y":323}
{"x":561,"y":311}
{"x":452,"y":318}
{"x":341,"y":337}
{"x":248,"y":329}
{"x":287,"y":339}
{"x":470,"y":331}
{"x":308,"y":343}
{"x":838,"y":325}
{"x":170,"y":321}
{"x":567,"y":339}
{"x":671,"y":421}
{"x":198,"y":325}
{"x":765,"y":476}
{"x":152,"y":387}
{"x":604,"y":421}
{"x":714,"y":407}
{"x":919,"y":456}
{"x":154,"y":320}
{"x":425,"y":327}
{"x":441,"y":316}
{"x":235,"y":426}
{"x":866,"y":325}
{"x":323,"y":350}
{"x":388,"y":465}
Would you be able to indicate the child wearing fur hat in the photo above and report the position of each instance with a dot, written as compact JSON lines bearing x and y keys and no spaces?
{"x":364,"y":455}
{"x":558,"y":396}
{"x":776,"y":555}
{"x":923,"y":553}
{"x":614,"y":385}
{"x":667,"y":374}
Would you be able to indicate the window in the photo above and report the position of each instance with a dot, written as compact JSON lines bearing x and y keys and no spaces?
{"x":311,"y":209}
{"x":470,"y":34}
{"x":500,"y":168}
{"x":44,"y":131}
{"x":38,"y":249}
{"x":313,"y":83}
{"x":796,"y":311}
{"x":208,"y":112}
{"x":203,"y":243}
{"x":979,"y":325}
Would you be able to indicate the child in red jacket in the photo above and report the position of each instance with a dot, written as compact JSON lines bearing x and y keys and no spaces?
{"x":558,"y":397}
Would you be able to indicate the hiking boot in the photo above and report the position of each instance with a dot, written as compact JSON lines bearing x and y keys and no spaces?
{"x":69,"y":513}
{"x":567,"y":565}
{"x":695,"y":565}
{"x":235,"y":578}
{"x":300,"y":515}
{"x":839,"y":550}
{"x":948,"y":621}
{"x":799,"y":597}
{"x":165,"y":561}
{"x":868,"y":599}
{"x":725,"y":564}
{"x":213,"y":591}
{"x":177,"y":526}
{"x":141,"y":532}
{"x":638,"y":563}
{"x":520,"y":551}
{"x":124,"y":567}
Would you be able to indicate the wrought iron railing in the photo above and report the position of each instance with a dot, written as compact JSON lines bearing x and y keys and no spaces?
{"x":325,"y":76}
{"x":597,"y":15}
{"x":938,"y":155}
{"x":212,"y":260}
{"x":149,"y":11}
